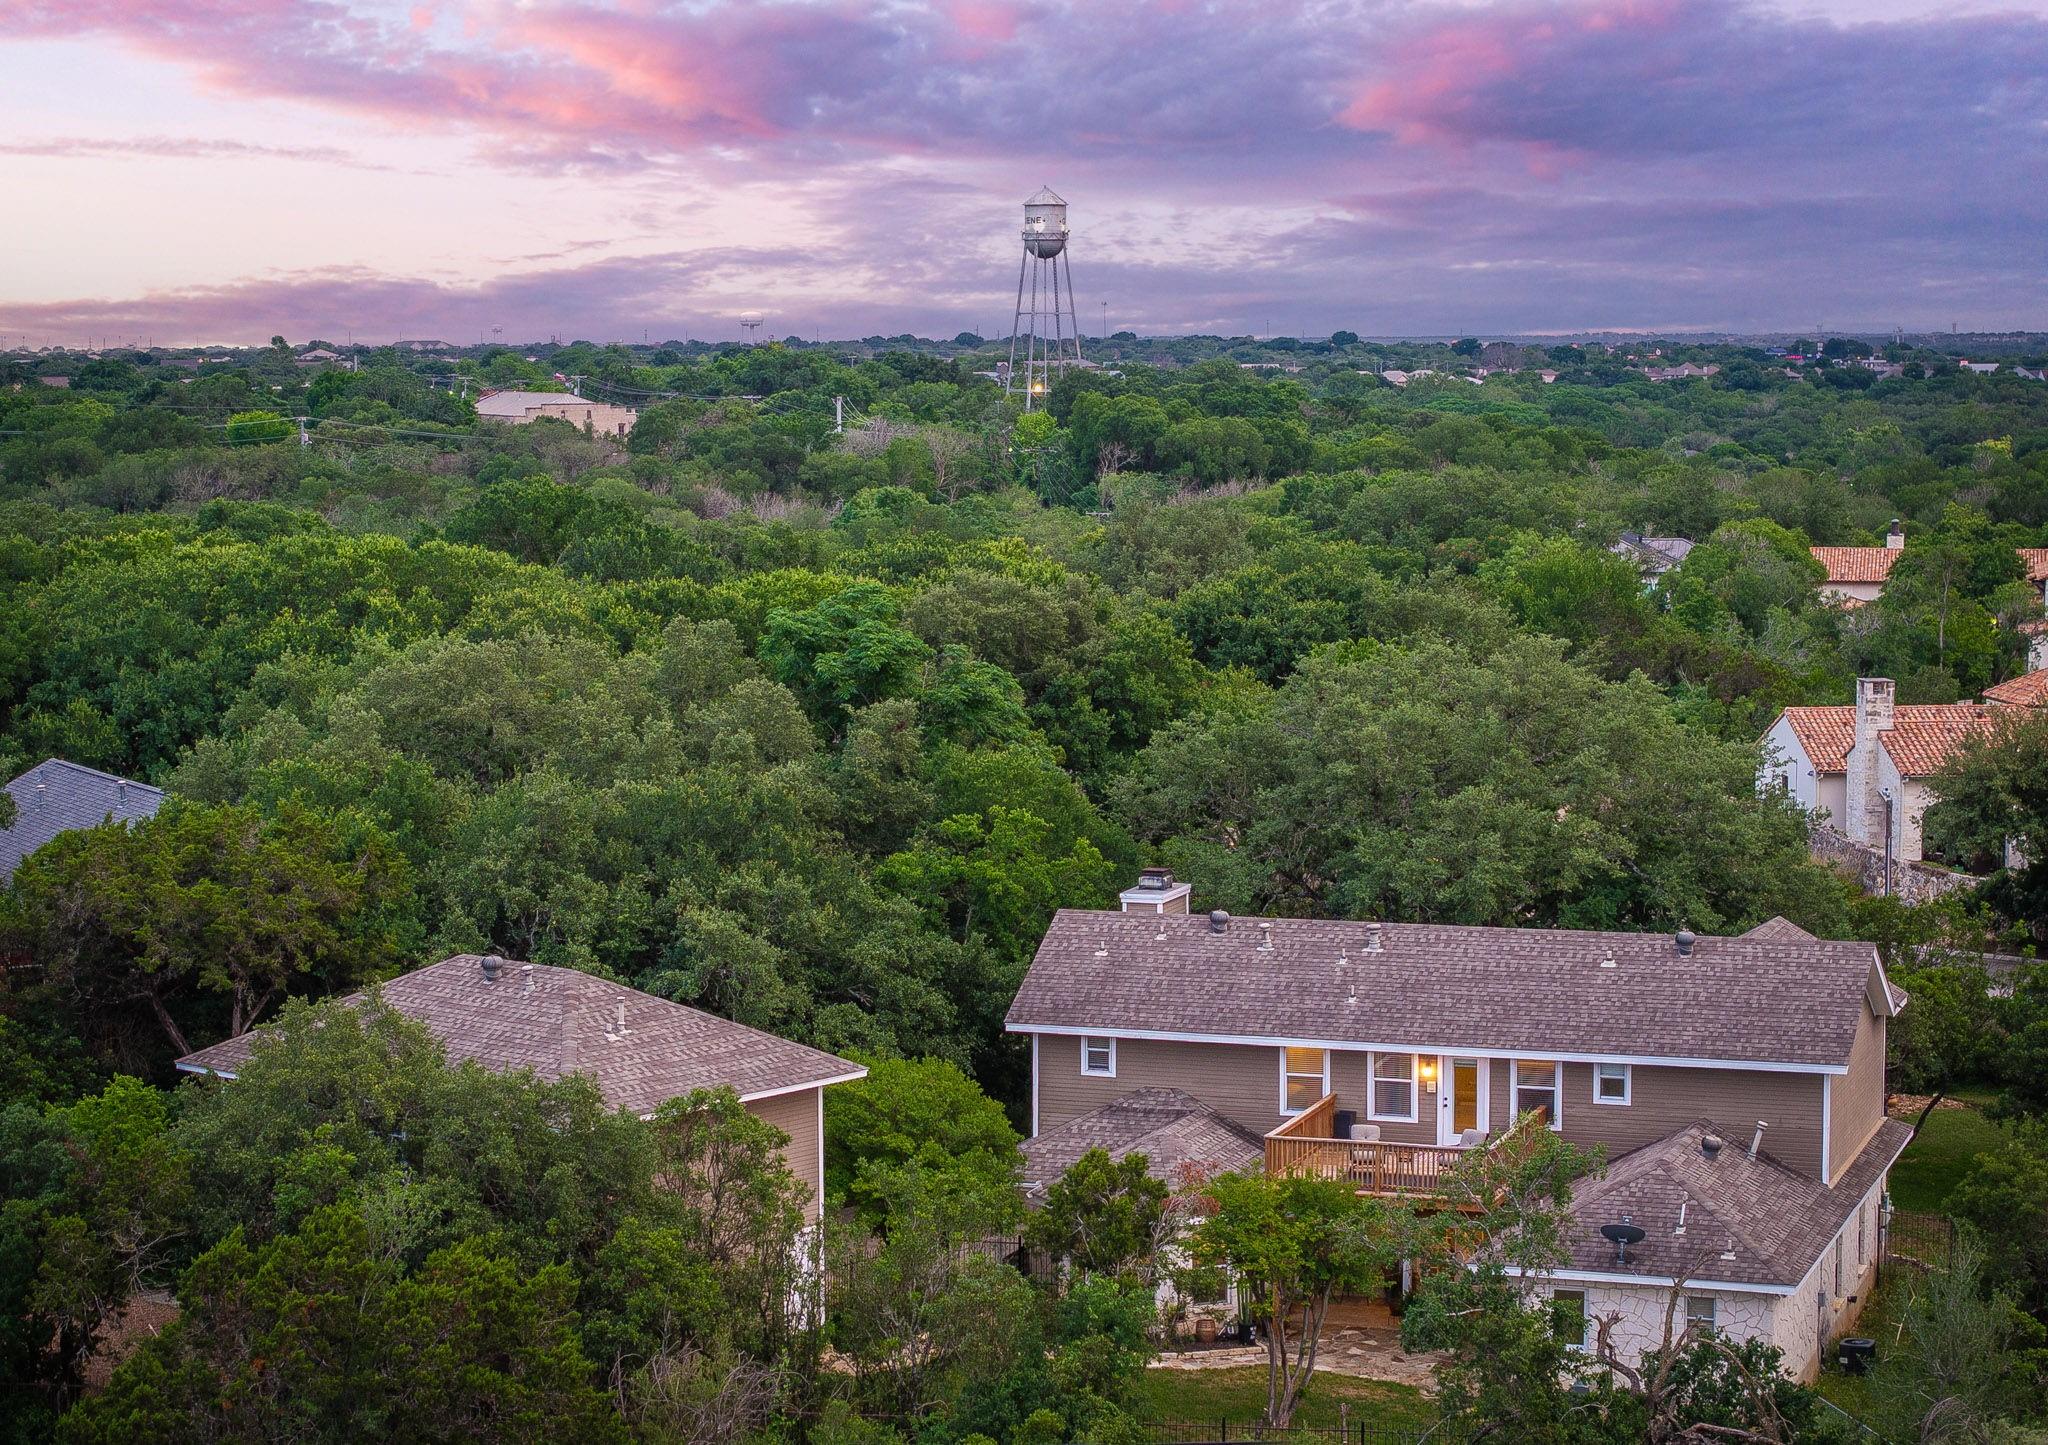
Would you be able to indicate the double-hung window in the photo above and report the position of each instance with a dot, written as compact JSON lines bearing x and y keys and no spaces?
{"x":1699,"y":1313}
{"x":1536,"y":1088}
{"x":1611,"y":1083}
{"x":1392,"y":1087}
{"x":1304,"y":1078}
{"x":1568,"y":1317}
{"x":1098,"y":1057}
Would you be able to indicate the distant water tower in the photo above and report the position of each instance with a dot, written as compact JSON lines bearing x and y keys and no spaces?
{"x":1044,"y":339}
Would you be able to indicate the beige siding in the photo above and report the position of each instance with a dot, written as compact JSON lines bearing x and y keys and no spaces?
{"x":1664,"y":1100}
{"x":1857,"y":1098}
{"x":1350,"y":1079}
{"x":1239,"y":1081}
{"x":796,"y":1115}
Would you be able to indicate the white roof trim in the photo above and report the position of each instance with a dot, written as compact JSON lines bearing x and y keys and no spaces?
{"x":1660,"y":1281}
{"x":186,"y":1068}
{"x":1265,"y":1041}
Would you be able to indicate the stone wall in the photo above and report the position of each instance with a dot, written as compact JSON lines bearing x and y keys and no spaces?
{"x":1913,"y":882}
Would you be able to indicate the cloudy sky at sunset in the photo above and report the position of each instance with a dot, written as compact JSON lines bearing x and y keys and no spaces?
{"x":218,"y":170}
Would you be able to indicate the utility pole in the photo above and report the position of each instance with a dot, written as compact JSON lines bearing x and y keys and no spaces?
{"x":838,"y":415}
{"x":305,"y":437}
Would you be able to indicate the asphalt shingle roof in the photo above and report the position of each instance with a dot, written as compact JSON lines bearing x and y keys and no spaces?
{"x":557,"y":1022}
{"x":1545,"y":992}
{"x":56,"y":797}
{"x":1857,"y":564}
{"x":1773,"y":1220}
{"x":1170,"y":1127}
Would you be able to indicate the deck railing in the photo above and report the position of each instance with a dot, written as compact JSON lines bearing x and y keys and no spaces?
{"x":1304,"y":1145}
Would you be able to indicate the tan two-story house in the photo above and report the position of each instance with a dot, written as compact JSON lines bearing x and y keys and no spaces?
{"x":1379,"y":1052}
{"x":640,"y":1051}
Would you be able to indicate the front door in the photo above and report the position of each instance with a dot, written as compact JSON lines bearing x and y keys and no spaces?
{"x":1461,"y":1098}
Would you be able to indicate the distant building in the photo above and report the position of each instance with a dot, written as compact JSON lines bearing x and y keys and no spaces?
{"x":56,"y":797}
{"x":54,"y":380}
{"x":596,"y":418}
{"x":1982,"y":368}
{"x":1684,"y":371}
{"x":1653,"y":556}
{"x":1857,"y":575}
{"x":421,"y":346}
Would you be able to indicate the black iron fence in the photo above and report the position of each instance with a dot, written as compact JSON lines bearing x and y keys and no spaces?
{"x":1925,"y":1241}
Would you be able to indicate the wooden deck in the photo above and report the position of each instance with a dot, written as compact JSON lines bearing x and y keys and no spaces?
{"x":1303,"y":1145}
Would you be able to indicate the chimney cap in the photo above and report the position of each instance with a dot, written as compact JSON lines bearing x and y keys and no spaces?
{"x":1155,"y":878}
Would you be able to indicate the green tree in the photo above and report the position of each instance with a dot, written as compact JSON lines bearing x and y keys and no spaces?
{"x":253,"y":428}
{"x":1101,"y":1215}
{"x":925,"y":1111}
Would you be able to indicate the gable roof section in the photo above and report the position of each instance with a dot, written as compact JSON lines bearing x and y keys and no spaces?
{"x":1826,"y":733}
{"x":57,"y":797}
{"x":1779,"y":929}
{"x":1170,"y":1127}
{"x":1857,"y":564}
{"x":2029,"y":689}
{"x":1783,"y":1004}
{"x":557,"y":1022}
{"x":1922,"y":738}
{"x":1775,"y":1221}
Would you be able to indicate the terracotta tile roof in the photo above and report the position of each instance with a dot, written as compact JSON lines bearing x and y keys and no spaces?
{"x":2029,"y":689}
{"x":1543,"y":992}
{"x":2036,"y":560}
{"x":56,"y":797}
{"x":1826,"y":733}
{"x":2033,"y":628}
{"x":1170,"y":1127}
{"x":1776,"y":1221}
{"x":1922,"y":738}
{"x":557,"y":1022}
{"x":1858,"y":564}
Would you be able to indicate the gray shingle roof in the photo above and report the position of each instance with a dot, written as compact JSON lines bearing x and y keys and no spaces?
{"x":1170,"y":1127}
{"x":1782,"y":1001}
{"x":55,"y":797}
{"x":557,"y":1022}
{"x":1774,"y":1220}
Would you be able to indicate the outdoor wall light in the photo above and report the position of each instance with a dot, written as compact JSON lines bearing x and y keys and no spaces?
{"x":1429,"y":1071}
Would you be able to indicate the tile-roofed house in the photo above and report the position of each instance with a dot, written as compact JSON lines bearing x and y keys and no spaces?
{"x":1862,"y":768}
{"x":1759,"y":1250}
{"x":1503,"y":990}
{"x":1173,"y":1129}
{"x":56,"y":797}
{"x":640,"y":1051}
{"x":2035,"y":560}
{"x":1856,"y":573}
{"x":2029,"y":689}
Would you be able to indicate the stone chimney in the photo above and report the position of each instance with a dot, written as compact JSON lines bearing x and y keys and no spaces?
{"x":1896,"y":537}
{"x":1865,"y":804}
{"x":1156,"y":892}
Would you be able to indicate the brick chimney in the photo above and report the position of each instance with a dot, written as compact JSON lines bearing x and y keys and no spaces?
{"x":1865,"y":823}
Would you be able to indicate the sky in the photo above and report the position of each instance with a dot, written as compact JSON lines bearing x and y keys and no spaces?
{"x":201,"y":171}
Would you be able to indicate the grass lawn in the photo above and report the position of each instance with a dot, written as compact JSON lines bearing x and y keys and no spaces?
{"x":1939,"y":1156}
{"x":1878,"y":1322}
{"x":1239,"y":1395}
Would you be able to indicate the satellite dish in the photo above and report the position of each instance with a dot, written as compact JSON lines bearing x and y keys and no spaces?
{"x":1622,"y":1235}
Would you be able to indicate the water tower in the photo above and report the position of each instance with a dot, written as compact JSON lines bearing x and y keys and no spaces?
{"x":1044,"y":339}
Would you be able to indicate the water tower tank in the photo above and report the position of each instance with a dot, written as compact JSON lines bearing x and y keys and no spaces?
{"x":1045,"y":224}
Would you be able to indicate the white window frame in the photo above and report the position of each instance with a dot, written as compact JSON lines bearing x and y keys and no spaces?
{"x":1286,"y":1074}
{"x":1372,"y":1088}
{"x":1628,"y":1085}
{"x":1556,"y":1090}
{"x":1091,"y":1043}
{"x":1712,"y":1318}
{"x":1585,"y":1316}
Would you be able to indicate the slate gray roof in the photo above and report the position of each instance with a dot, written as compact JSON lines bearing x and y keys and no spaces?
{"x":557,"y":1022}
{"x":1773,"y":1220}
{"x":1170,"y":1127}
{"x":55,"y":797}
{"x":1790,"y":1002}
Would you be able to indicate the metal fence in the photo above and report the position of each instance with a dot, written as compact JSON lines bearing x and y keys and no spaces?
{"x":1923,"y":1241}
